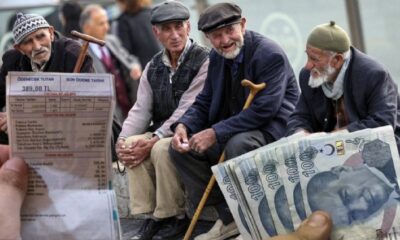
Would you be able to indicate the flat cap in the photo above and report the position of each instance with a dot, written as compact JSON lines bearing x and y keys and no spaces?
{"x":168,"y":11}
{"x":329,"y":37}
{"x":218,"y":16}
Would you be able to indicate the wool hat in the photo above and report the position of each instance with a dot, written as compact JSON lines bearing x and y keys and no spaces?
{"x":329,"y":37}
{"x":26,"y":24}
{"x":168,"y":11}
{"x":218,"y":16}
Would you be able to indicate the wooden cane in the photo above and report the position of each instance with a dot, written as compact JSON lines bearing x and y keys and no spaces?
{"x":254,"y":89}
{"x":82,"y":54}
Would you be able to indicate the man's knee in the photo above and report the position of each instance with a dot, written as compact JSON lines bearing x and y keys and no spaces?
{"x":173,"y":154}
{"x":159,"y":152}
{"x":244,"y":142}
{"x":135,"y":138}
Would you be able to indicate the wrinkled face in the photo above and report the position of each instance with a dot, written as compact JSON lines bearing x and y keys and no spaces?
{"x":355,"y":195}
{"x":228,"y":40}
{"x":97,"y":26}
{"x":319,"y":65}
{"x":173,"y":35}
{"x":37,"y":45}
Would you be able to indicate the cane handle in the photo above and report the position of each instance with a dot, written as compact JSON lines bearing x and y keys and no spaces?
{"x":254,"y":89}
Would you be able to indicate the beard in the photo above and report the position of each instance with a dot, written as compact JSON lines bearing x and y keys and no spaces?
{"x":323,"y":76}
{"x":40,"y":60}
{"x":232,"y":54}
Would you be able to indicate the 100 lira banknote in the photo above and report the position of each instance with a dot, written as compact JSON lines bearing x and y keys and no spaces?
{"x":354,"y":177}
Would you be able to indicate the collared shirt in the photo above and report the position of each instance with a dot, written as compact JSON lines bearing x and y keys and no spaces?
{"x":96,"y":50}
{"x":167,"y":61}
{"x":36,"y":68}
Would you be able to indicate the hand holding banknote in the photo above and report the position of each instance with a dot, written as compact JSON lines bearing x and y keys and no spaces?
{"x":318,"y":226}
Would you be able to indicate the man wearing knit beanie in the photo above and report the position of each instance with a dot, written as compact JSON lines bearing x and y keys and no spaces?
{"x":343,"y":88}
{"x":37,"y":48}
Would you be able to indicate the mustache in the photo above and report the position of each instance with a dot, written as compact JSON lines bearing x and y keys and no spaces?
{"x":37,"y":52}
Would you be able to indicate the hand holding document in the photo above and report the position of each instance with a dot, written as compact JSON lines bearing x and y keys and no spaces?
{"x":60,"y":124}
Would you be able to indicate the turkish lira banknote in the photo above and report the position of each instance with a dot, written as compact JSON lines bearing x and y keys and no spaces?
{"x":226,"y":185}
{"x":354,"y":177}
{"x":275,"y":195}
{"x":254,"y":195}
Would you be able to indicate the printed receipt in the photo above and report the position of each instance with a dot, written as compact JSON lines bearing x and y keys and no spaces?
{"x":60,"y":123}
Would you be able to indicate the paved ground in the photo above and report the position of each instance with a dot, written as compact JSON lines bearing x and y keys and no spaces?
{"x":130,"y":226}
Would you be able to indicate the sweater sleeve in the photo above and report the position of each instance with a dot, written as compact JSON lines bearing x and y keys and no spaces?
{"x":140,"y":115}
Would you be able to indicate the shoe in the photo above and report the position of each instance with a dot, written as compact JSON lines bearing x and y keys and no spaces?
{"x":148,"y":229}
{"x":172,"y":229}
{"x":219,"y":231}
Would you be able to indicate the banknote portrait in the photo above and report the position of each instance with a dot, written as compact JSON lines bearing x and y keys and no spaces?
{"x":349,"y":193}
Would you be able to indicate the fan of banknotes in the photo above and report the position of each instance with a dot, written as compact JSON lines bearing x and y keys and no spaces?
{"x":353,"y":176}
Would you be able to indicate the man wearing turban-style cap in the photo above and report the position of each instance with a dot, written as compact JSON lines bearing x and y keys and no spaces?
{"x":37,"y":48}
{"x":343,"y":88}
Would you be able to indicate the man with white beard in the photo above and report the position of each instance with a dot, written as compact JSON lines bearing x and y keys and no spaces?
{"x":216,"y":122}
{"x":343,"y":88}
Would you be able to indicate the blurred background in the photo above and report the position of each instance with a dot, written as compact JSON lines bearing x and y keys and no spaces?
{"x":372,"y":24}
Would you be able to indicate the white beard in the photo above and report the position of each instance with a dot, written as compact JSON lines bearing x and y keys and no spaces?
{"x":322,"y":78}
{"x":234,"y":53}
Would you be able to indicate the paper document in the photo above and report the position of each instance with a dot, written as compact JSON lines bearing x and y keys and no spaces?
{"x":60,"y":124}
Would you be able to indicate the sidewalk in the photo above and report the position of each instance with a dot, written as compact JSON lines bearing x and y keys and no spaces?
{"x":130,"y":225}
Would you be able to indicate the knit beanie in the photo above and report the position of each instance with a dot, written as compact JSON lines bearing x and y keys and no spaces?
{"x":26,"y":24}
{"x":329,"y":37}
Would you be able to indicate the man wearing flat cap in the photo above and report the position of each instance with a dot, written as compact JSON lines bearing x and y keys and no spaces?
{"x":216,"y":122}
{"x":168,"y":86}
{"x":342,"y":88}
{"x":37,"y":48}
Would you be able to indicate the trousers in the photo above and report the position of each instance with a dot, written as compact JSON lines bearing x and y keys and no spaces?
{"x":154,"y":185}
{"x":195,"y":168}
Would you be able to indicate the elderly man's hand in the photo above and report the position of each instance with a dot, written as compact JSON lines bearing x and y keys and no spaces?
{"x":13,"y":184}
{"x":180,"y":140}
{"x":201,"y":141}
{"x":316,"y":227}
{"x":134,"y":153}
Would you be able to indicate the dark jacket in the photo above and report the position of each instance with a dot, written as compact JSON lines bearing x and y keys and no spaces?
{"x":63,"y":58}
{"x":136,"y":35}
{"x":370,"y":95}
{"x":264,"y":61}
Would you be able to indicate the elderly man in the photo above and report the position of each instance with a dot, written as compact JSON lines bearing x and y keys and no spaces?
{"x":38,"y":48}
{"x":112,"y":58}
{"x":342,"y":88}
{"x":169,"y":85}
{"x":216,"y":121}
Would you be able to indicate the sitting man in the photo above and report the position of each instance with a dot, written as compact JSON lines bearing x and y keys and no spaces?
{"x":342,"y":88}
{"x":216,"y":121}
{"x":37,"y":48}
{"x":168,"y":86}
